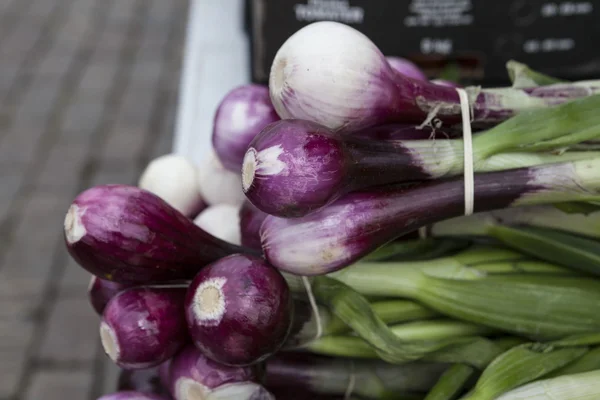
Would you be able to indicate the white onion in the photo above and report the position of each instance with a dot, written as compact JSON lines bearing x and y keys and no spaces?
{"x":217,"y":184}
{"x":174,"y":178}
{"x":222,"y":221}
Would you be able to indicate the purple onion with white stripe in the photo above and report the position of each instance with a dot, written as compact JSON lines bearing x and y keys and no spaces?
{"x":144,"y":327}
{"x":194,"y":376}
{"x":358,"y":223}
{"x":244,"y":112}
{"x":132,"y":395}
{"x":295,"y":167}
{"x":129,"y":235}
{"x":251,"y":218}
{"x":239,"y":310}
{"x":406,"y":68}
{"x":100,"y":291}
{"x":331,"y":73}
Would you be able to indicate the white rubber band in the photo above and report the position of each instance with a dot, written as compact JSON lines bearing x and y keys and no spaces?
{"x":423,"y":232}
{"x":351,"y":382}
{"x":313,"y":305}
{"x":469,"y":174}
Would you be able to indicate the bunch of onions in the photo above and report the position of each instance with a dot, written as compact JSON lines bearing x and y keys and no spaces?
{"x":320,"y":251}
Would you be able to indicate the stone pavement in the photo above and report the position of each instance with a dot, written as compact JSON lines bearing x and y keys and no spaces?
{"x":88,"y":91}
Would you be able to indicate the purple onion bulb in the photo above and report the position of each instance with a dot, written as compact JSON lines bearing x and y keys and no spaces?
{"x":195,"y":376}
{"x":406,"y":68}
{"x":251,"y":218}
{"x":239,"y":310}
{"x":244,"y":112}
{"x":144,"y":327}
{"x":100,"y":291}
{"x":132,"y":395}
{"x":131,"y":236}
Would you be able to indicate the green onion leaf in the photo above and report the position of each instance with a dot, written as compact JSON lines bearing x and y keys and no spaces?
{"x":521,"y":365}
{"x":579,"y":253}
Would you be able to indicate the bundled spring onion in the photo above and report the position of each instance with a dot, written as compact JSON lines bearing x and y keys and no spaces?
{"x":251,"y":218}
{"x":193,"y":376}
{"x":144,"y":327}
{"x":100,"y":292}
{"x":332,"y":74}
{"x":132,"y":395}
{"x":243,"y":112}
{"x":174,"y":179}
{"x":406,"y":68}
{"x":129,"y":235}
{"x":360,"y":222}
{"x":367,"y":379}
{"x":239,"y":310}
{"x":222,"y":221}
{"x":217,"y":184}
{"x":294,"y":167}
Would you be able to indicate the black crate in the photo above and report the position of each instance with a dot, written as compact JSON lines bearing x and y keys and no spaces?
{"x":479,"y":36}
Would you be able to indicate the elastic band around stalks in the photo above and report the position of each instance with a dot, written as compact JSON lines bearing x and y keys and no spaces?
{"x":313,"y":305}
{"x":469,"y":174}
{"x":351,"y":382}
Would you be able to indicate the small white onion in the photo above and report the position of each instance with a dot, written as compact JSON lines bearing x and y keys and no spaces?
{"x":218,"y":185}
{"x":174,"y":178}
{"x":222,"y":221}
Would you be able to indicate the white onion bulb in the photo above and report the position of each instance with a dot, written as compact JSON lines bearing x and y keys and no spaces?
{"x":174,"y":178}
{"x":219,"y":185}
{"x":222,"y":221}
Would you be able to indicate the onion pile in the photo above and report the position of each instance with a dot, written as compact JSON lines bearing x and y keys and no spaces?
{"x":320,"y":251}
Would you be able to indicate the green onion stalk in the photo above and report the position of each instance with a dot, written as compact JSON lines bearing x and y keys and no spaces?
{"x":546,"y":216}
{"x":550,"y":304}
{"x":523,"y":76}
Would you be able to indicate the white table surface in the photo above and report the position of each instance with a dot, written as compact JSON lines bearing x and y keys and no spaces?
{"x":216,"y":59}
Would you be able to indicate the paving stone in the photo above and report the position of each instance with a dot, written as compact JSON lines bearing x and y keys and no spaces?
{"x":21,"y":41}
{"x":59,"y":385}
{"x":122,"y":10}
{"x":8,"y":74}
{"x":75,"y":279}
{"x":56,"y":64}
{"x":83,"y":115}
{"x":40,"y":100}
{"x":15,"y":334}
{"x":147,"y":71}
{"x":110,"y":172}
{"x":63,"y":168}
{"x":20,"y":144}
{"x":28,"y":261}
{"x":110,"y":375}
{"x":12,"y":366}
{"x":72,"y":331}
{"x":41,"y":8}
{"x":17,"y":307}
{"x":98,"y":77}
